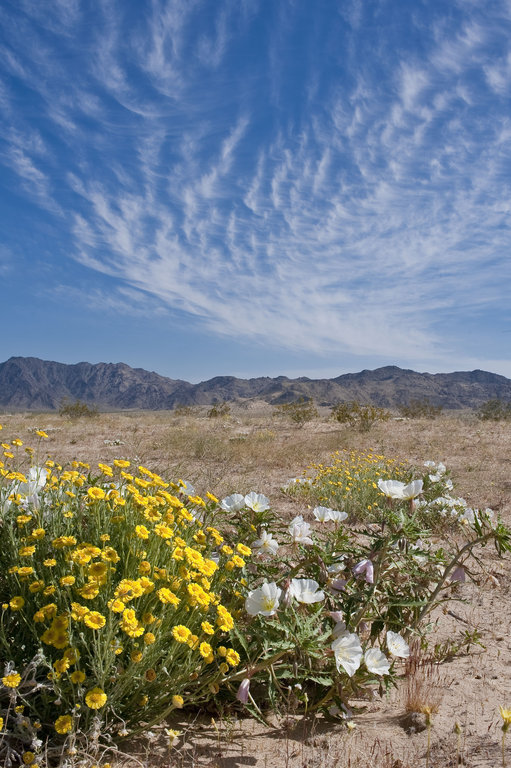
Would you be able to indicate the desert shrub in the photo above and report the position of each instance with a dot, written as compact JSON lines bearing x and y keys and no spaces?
{"x":299,"y":411}
{"x":219,"y":410}
{"x":494,"y":410}
{"x":183,"y":410}
{"x":420,"y":409}
{"x":77,"y":409}
{"x":127,"y":597}
{"x":357,"y":415}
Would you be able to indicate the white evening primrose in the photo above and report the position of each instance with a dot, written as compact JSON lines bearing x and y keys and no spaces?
{"x":348,"y":652}
{"x":305,"y":591}
{"x":257,"y":502}
{"x":376,"y":662}
{"x":233,"y":503}
{"x":299,"y":531}
{"x":266,"y":544}
{"x":325,"y":515}
{"x":397,"y":645}
{"x":395,"y":489}
{"x":264,"y":600}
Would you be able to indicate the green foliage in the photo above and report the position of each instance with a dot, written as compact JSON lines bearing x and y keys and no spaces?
{"x":219,"y":410}
{"x":77,"y":409}
{"x":299,"y":411}
{"x":494,"y":410}
{"x":357,"y":415}
{"x":420,"y":409}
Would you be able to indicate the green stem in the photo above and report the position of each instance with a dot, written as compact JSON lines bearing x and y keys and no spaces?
{"x":454,"y":562}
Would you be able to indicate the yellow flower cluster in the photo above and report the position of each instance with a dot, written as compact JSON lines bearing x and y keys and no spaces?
{"x":352,"y":478}
{"x":111,"y":569}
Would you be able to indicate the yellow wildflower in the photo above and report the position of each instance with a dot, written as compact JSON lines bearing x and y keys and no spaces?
{"x":181,"y":633}
{"x":64,"y":724}
{"x":96,"y":698}
{"x":12,"y":680}
{"x":94,"y":620}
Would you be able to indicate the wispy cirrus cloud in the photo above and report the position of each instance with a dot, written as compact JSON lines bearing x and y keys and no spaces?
{"x":218,"y":160}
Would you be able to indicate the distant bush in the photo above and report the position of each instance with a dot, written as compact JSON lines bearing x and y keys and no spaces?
{"x":183,"y":410}
{"x":357,"y":415}
{"x":494,"y":410}
{"x":77,"y":409}
{"x":420,"y":409}
{"x":218,"y":410}
{"x":299,"y":411}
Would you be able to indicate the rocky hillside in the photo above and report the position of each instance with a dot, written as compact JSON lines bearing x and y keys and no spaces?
{"x":27,"y":383}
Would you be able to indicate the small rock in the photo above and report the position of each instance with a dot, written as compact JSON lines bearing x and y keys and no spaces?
{"x":413,"y":722}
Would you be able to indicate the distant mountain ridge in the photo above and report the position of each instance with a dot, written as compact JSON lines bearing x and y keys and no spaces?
{"x":28,"y":383}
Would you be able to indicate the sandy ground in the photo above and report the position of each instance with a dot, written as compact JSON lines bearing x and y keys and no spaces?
{"x":253,"y":450}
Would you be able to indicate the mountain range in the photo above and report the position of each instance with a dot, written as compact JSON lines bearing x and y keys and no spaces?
{"x":27,"y":383}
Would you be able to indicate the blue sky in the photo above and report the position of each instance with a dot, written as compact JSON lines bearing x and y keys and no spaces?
{"x":257,"y":187}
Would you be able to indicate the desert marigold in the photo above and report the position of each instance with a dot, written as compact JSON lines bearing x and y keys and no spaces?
{"x":110,"y":555}
{"x":12,"y":680}
{"x":96,"y":698}
{"x":167,"y":597}
{"x":25,"y":570}
{"x":232,"y":657}
{"x":149,"y":638}
{"x":26,"y":551}
{"x":181,"y":633}
{"x":96,"y":493}
{"x":77,"y":676}
{"x":177,"y":701}
{"x":205,"y":650}
{"x":16,"y":603}
{"x":94,"y":620}
{"x":207,"y":628}
{"x":64,"y":724}
{"x":243,"y":550}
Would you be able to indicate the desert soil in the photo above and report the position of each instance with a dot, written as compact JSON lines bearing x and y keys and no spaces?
{"x":251,"y":449}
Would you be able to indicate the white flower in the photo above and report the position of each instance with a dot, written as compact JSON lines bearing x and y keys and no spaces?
{"x":468,"y":516}
{"x":257,"y":502}
{"x":186,"y":487}
{"x":233,"y":503}
{"x":366,"y":568}
{"x":397,"y":645}
{"x":299,"y":531}
{"x":264,"y":600}
{"x":325,"y":514}
{"x":348,"y":652}
{"x":266,"y":543}
{"x":395,"y":489}
{"x":376,"y":662}
{"x":305,"y":591}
